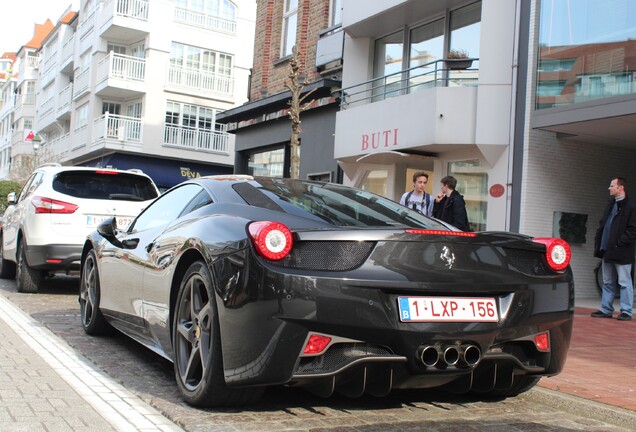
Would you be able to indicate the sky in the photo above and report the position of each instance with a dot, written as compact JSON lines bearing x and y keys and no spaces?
{"x":19,"y":16}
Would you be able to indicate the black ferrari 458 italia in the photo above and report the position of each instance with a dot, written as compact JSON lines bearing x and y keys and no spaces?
{"x":247,"y":282}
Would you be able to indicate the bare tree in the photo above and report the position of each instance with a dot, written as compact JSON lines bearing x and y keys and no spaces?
{"x":24,"y":164}
{"x":296,"y":107}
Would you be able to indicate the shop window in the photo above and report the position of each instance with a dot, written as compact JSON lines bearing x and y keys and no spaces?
{"x":268,"y":163}
{"x":376,"y":181}
{"x":472,"y":183}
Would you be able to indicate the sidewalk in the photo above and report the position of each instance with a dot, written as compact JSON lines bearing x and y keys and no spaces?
{"x":601,"y":363}
{"x":45,"y":385}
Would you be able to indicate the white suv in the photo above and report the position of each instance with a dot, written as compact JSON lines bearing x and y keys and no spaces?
{"x":44,"y":228}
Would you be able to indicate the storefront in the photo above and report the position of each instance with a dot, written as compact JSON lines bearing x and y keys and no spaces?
{"x":164,"y":172}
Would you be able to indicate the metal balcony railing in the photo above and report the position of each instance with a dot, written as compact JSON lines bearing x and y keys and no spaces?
{"x":200,"y":82}
{"x":196,"y":139}
{"x":210,"y":22}
{"x":438,"y":73}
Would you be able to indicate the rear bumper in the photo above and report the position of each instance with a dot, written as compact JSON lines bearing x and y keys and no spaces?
{"x":54,"y":257}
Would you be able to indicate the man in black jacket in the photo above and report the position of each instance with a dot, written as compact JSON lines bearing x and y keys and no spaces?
{"x":615,"y":243}
{"x":450,"y":206}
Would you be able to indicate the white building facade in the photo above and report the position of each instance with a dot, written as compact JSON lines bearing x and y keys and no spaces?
{"x":138,"y":84}
{"x":534,"y":129}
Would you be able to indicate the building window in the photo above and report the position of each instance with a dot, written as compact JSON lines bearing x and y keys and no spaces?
{"x":268,"y":163}
{"x":190,"y":125}
{"x":376,"y":181}
{"x":425,"y":45}
{"x":199,"y":59}
{"x":290,"y":22}
{"x":472,"y":183}
{"x":219,"y":8}
{"x":585,"y":51}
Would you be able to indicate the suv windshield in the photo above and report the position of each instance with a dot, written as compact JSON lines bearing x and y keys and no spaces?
{"x":104,"y":185}
{"x":335,"y":204}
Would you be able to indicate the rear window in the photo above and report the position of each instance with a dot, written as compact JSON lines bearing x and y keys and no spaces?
{"x":106,"y":186}
{"x":335,"y":204}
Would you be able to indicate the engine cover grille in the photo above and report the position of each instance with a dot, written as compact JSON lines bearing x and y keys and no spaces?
{"x":327,"y":255}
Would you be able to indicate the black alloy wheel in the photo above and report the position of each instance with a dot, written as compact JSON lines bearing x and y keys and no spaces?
{"x":198,"y":362}
{"x":93,"y":321}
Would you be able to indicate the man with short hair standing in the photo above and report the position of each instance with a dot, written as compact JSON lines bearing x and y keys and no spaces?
{"x":450,"y":206}
{"x":418,"y":199}
{"x":615,"y":243}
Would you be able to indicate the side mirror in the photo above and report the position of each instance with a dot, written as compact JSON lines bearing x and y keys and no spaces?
{"x":108,"y":230}
{"x":12,"y":198}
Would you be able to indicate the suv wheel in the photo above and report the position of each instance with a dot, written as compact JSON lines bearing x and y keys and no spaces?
{"x":28,"y":278}
{"x":7,"y":268}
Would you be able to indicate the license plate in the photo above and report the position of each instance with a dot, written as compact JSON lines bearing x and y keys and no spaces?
{"x":122,"y":221}
{"x":447,"y":309}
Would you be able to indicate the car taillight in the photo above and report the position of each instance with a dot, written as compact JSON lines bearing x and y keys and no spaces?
{"x":48,"y":205}
{"x":557,"y":252}
{"x":272,"y":240}
{"x":109,"y":172}
{"x":440,"y":232}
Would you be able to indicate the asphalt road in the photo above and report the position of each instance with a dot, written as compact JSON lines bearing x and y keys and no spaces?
{"x":283,"y":409}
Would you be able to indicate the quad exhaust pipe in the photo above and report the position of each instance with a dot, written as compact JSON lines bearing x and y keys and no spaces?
{"x":442,"y":356}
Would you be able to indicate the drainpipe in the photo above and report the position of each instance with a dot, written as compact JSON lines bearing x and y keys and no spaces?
{"x":510,"y":187}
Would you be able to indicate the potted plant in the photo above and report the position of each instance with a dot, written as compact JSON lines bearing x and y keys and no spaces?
{"x":458,"y":59}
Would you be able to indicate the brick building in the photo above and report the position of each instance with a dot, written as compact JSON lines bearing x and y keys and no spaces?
{"x":262,"y":126}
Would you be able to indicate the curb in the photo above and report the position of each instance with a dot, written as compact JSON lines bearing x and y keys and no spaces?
{"x":575,"y":405}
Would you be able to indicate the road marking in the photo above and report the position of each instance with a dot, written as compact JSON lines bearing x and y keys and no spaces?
{"x":121,"y":408}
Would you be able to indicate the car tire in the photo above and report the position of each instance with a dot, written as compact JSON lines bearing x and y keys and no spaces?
{"x":7,"y":268}
{"x":28,"y":279}
{"x":198,"y":362}
{"x":93,"y":320}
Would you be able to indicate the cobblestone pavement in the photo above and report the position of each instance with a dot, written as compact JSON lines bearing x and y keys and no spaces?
{"x":150,"y":378}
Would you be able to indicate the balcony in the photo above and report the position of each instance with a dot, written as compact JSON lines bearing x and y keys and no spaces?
{"x":28,"y":69}
{"x":121,"y":76}
{"x":60,"y":147}
{"x":116,"y":127}
{"x":438,"y":73}
{"x":64,"y":102}
{"x":82,"y":81}
{"x":199,"y":83}
{"x":46,"y":114}
{"x":125,"y":20}
{"x":208,"y":22}
{"x":198,"y":140}
{"x":66,"y":61}
{"x":429,"y":108}
{"x":24,"y":105}
{"x":329,"y":47}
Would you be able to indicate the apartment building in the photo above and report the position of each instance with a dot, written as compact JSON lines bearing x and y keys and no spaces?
{"x":17,"y":115}
{"x":262,"y":126}
{"x":139,"y":83}
{"x":534,"y":129}
{"x":7,"y":104}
